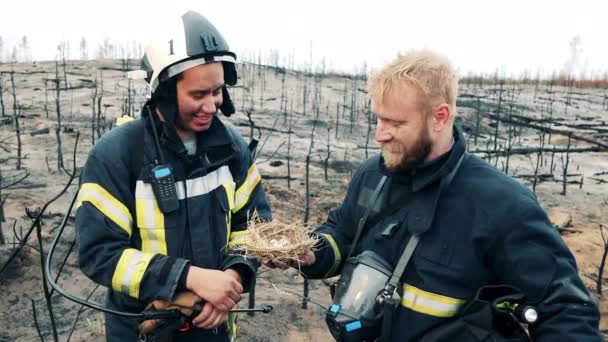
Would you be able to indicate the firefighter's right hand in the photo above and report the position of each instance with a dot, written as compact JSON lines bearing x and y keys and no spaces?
{"x":306,"y":260}
{"x":216,"y":287}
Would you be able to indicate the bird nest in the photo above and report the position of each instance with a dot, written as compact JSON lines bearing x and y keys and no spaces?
{"x":274,"y":241}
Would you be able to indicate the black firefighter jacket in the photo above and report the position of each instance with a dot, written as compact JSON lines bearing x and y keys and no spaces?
{"x":128,"y":245}
{"x":487,"y":229}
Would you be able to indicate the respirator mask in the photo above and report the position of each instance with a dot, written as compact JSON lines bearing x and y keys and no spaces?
{"x":357,"y":309}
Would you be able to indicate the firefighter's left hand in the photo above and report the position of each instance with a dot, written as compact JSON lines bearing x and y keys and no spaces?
{"x":234,"y":274}
{"x":210,"y":317}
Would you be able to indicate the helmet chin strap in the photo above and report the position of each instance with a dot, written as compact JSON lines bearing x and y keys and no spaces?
{"x":227,"y":106}
{"x":169,"y":112}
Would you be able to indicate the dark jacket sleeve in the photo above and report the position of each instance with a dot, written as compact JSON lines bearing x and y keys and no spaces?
{"x":104,"y":226}
{"x":249,"y":198}
{"x":336,"y":234}
{"x":530,"y":254}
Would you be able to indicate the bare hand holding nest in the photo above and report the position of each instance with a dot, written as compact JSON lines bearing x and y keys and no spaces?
{"x":276,"y":244}
{"x":307,"y":260}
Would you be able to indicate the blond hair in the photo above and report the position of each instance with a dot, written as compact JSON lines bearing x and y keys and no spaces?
{"x":427,"y":71}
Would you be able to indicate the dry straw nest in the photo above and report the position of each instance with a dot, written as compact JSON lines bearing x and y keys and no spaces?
{"x":275,"y":241}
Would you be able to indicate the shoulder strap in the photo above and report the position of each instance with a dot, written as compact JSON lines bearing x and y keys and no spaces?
{"x":415,"y":238}
{"x":363,"y":220}
{"x":386,"y":297}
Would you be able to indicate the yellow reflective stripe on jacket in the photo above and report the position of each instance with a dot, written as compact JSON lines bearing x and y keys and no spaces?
{"x":205,"y":184}
{"x":229,"y":187}
{"x":430,"y":303}
{"x":107,"y":204}
{"x":244,"y":191}
{"x":124,"y":119}
{"x":130,"y":271}
{"x":150,"y":220}
{"x":337,"y":254}
{"x":236,"y":237}
{"x":231,"y":325}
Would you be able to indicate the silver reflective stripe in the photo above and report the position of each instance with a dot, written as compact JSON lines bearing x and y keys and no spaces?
{"x":224,"y":58}
{"x":205,"y":184}
{"x":134,"y":259}
{"x":144,"y":190}
{"x":244,"y":191}
{"x":150,"y":218}
{"x":191,"y":63}
{"x":430,"y":303}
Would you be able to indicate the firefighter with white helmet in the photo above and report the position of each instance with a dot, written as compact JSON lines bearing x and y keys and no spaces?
{"x":160,"y":197}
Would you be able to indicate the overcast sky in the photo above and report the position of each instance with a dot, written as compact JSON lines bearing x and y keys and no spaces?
{"x":477,"y":35}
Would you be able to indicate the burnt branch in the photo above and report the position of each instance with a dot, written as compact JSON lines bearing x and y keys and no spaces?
{"x":40,"y":214}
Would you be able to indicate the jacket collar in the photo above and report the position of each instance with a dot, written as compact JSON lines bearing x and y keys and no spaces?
{"x":217,"y":135}
{"x":424,"y":174}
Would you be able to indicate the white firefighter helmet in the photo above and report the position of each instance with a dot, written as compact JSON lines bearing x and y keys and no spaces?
{"x":186,"y":43}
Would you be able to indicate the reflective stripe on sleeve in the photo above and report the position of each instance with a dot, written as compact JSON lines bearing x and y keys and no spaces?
{"x":130,"y":271}
{"x":430,"y":303}
{"x":337,"y":255}
{"x":109,"y":206}
{"x":236,"y":237}
{"x":229,"y":187}
{"x":244,"y":191}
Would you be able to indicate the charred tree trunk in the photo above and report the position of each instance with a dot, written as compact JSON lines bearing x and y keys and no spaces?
{"x":328,"y":147}
{"x":2,"y":95}
{"x":2,"y":219}
{"x":17,"y":114}
{"x":308,"y":159}
{"x":263,"y":86}
{"x":565,"y":167}
{"x":289,"y":147}
{"x":283,"y":104}
{"x":344,"y":100}
{"x":477,"y":120}
{"x":58,"y":108}
{"x":550,"y":109}
{"x":539,"y":157}
{"x":353,"y":106}
{"x":369,"y":127}
{"x":15,"y":104}
{"x":307,"y":205}
{"x":129,"y":97}
{"x":498,"y":108}
{"x":65,"y":71}
{"x":251,"y":125}
{"x":46,"y":97}
{"x":18,"y":134}
{"x":45,"y":286}
{"x":511,"y":130}
{"x":93,"y":113}
{"x":600,"y":273}
{"x":337,"y":118}
{"x":100,"y":119}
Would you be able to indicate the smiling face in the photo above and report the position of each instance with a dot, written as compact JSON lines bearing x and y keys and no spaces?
{"x":199,"y":95}
{"x":403,"y":129}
